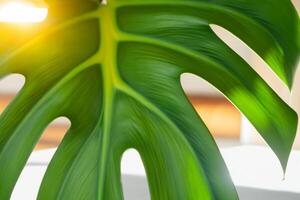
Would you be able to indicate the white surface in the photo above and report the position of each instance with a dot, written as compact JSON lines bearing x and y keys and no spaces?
{"x":258,"y":167}
{"x":255,"y":171}
{"x":194,"y":85}
{"x":11,"y":84}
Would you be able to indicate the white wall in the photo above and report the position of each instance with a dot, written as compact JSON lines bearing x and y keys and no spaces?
{"x":11,"y":84}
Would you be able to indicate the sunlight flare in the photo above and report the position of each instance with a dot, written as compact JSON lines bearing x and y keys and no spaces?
{"x":20,"y":12}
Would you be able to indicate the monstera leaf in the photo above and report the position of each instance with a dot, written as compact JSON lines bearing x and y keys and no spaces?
{"x":113,"y":69}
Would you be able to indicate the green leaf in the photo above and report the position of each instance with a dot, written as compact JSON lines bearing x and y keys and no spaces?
{"x":114,"y":71}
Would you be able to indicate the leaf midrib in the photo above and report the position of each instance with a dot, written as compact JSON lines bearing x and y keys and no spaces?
{"x":117,"y":35}
{"x":114,"y":82}
{"x":109,"y":39}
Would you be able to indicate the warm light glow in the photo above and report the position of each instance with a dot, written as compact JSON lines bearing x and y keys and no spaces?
{"x":19,"y":12}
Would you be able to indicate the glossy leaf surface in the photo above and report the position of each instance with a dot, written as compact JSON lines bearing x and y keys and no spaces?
{"x":114,"y":70}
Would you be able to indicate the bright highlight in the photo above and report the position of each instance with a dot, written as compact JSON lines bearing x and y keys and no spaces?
{"x":18,"y":12}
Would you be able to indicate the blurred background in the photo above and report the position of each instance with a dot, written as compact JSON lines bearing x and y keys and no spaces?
{"x":225,"y":122}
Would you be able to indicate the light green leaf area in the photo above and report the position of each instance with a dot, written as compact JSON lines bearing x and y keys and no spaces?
{"x":114,"y":70}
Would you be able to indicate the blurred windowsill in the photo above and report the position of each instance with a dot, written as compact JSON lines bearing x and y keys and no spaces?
{"x":220,"y":116}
